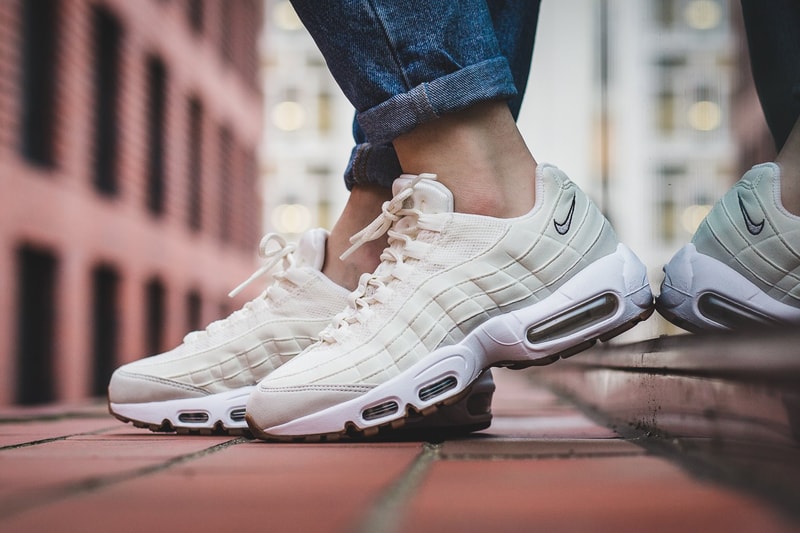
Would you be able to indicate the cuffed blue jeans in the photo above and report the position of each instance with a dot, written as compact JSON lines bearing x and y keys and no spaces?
{"x":402,"y":63}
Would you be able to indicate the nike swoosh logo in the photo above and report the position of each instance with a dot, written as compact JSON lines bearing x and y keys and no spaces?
{"x":753,"y":227}
{"x":563,"y":227}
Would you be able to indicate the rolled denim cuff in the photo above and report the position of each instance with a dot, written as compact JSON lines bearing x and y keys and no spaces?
{"x":372,"y":164}
{"x":481,"y":82}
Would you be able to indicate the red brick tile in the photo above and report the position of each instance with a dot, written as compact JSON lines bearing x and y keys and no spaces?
{"x":489,"y":448}
{"x":609,"y":494}
{"x":516,"y":396}
{"x":32,"y":473}
{"x":12,"y":434}
{"x":248,"y":487}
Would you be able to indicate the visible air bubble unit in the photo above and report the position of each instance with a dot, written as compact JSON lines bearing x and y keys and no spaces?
{"x":193,"y":418}
{"x":435,"y":389}
{"x":730,"y":314}
{"x":237,"y":415}
{"x":600,"y":308}
{"x":380,"y":410}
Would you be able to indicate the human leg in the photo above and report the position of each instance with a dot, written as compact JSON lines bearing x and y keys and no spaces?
{"x":513,"y":27}
{"x":473,"y":277}
{"x":773,"y":37}
{"x":514,"y":24}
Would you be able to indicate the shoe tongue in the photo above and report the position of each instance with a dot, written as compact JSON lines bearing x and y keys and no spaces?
{"x":310,"y":250}
{"x":429,"y":195}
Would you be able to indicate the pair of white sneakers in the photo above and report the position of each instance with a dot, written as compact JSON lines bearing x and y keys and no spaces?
{"x":455,"y":294}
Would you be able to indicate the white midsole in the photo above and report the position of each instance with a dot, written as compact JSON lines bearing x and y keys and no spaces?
{"x":500,"y":340}
{"x":218,"y":408}
{"x":690,"y":274}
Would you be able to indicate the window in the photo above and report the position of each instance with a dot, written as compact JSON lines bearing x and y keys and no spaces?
{"x":37,"y":272}
{"x":156,"y":108}
{"x":226,"y":30}
{"x":107,"y":40}
{"x":672,"y":180}
{"x":105,"y":325}
{"x":250,"y":201}
{"x":666,"y":12}
{"x":195,"y":165}
{"x":155,"y":302}
{"x":39,"y":79}
{"x":666,"y":112}
{"x":194,"y":310}
{"x":196,"y":13}
{"x":226,"y":183}
{"x":325,"y":112}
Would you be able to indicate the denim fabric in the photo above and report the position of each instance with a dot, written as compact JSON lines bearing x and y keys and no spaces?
{"x":773,"y":38}
{"x":405,"y":63}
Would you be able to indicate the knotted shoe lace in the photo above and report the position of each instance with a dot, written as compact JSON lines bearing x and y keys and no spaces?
{"x":742,"y":268}
{"x":454,"y":295}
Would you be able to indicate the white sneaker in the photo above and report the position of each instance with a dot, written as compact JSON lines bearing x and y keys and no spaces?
{"x":454,"y":295}
{"x":742,"y":268}
{"x":202,"y":385}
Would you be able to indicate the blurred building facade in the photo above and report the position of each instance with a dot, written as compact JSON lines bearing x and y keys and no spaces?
{"x":670,"y":70}
{"x":642,"y":104}
{"x":129,"y":193}
{"x":308,"y":124}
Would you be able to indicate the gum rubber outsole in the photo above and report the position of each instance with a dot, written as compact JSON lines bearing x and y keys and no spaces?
{"x":354,"y":432}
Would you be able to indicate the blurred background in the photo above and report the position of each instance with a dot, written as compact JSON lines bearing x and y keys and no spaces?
{"x":145,"y":147}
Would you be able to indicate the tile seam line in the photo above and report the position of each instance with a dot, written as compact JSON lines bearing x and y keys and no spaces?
{"x":535,"y":456}
{"x":96,"y":483}
{"x":54,"y":417}
{"x":386,"y":513}
{"x":55,"y":439}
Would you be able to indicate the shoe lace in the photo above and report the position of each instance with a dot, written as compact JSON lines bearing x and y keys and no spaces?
{"x":283,"y":253}
{"x":402,"y":225}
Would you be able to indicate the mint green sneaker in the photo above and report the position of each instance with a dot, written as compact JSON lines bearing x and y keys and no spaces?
{"x":742,"y":268}
{"x":455,"y":294}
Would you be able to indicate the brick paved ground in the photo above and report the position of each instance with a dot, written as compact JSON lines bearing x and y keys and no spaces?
{"x":542,"y":466}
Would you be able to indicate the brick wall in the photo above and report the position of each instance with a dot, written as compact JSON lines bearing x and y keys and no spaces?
{"x":58,"y":209}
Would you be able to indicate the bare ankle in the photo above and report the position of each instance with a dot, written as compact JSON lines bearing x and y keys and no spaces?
{"x":363,"y":205}
{"x":479,"y":155}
